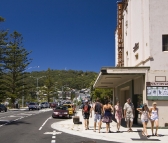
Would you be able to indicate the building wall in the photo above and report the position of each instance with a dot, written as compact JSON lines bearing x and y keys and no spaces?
{"x":136,"y":30}
{"x":158,"y":25}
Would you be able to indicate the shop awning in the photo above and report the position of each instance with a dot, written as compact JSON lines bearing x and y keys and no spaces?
{"x":110,"y":77}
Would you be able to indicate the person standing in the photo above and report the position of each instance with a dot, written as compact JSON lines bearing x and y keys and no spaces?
{"x":144,"y":111}
{"x":129,"y":113}
{"x":107,"y":118}
{"x":118,"y":115}
{"x":97,"y":114}
{"x":86,"y":112}
{"x":154,"y":118}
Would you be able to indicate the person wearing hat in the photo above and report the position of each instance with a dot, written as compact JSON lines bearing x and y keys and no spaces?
{"x":154,"y":117}
{"x":144,"y":111}
{"x":129,"y":113}
{"x":86,"y":112}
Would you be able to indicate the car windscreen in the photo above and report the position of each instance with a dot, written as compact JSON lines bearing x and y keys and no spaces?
{"x":69,"y":106}
{"x":32,"y":104}
{"x":61,"y":108}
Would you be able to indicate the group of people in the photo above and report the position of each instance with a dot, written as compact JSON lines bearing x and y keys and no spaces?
{"x":103,"y":113}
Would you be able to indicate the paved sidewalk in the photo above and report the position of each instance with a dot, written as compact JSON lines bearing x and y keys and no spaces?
{"x":68,"y":126}
{"x":18,"y":109}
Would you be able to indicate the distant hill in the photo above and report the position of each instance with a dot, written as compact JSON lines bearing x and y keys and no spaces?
{"x":72,"y":78}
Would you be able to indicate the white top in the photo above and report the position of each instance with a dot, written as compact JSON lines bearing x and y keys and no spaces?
{"x":144,"y":115}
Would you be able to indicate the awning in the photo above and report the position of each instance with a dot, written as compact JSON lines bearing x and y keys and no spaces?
{"x":110,"y":77}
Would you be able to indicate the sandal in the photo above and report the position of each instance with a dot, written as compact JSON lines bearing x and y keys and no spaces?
{"x":143,"y":134}
{"x":156,"y":135}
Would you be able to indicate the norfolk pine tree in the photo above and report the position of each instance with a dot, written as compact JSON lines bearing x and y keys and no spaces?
{"x":3,"y":43}
{"x":16,"y":60}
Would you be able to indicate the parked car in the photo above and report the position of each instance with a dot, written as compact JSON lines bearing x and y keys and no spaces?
{"x":53,"y":104}
{"x":70,"y":108}
{"x":33,"y":106}
{"x":3,"y":108}
{"x":61,"y":111}
{"x":45,"y":105}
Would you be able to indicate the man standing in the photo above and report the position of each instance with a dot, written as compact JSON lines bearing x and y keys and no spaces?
{"x":86,"y":111}
{"x":97,"y":114}
{"x":129,"y":113}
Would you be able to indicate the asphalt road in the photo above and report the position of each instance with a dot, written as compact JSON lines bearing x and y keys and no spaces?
{"x":34,"y":127}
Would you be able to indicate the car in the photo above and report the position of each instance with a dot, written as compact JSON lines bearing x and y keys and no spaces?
{"x":70,"y":108}
{"x":45,"y":105}
{"x":53,"y":104}
{"x":3,"y":108}
{"x":61,"y":111}
{"x":33,"y":106}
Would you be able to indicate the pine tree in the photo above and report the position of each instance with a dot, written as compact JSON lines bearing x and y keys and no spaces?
{"x":3,"y":43}
{"x":15,"y":61}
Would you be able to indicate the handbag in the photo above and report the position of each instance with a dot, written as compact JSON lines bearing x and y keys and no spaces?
{"x":105,"y":119}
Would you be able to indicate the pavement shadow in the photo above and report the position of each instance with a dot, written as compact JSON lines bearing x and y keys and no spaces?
{"x":123,"y":122}
{"x":17,"y":123}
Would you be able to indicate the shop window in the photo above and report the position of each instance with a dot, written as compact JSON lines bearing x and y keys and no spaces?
{"x":164,"y":42}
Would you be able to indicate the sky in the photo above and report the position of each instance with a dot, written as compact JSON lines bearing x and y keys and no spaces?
{"x":64,"y":34}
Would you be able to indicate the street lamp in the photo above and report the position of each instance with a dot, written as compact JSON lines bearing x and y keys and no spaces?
{"x":23,"y":82}
{"x":63,"y":89}
{"x":37,"y":79}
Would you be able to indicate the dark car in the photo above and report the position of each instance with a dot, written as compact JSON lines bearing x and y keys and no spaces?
{"x":3,"y":108}
{"x":60,"y":111}
{"x":53,"y":104}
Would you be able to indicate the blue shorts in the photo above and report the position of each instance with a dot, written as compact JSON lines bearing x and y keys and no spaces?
{"x":97,"y":117}
{"x":154,"y":118}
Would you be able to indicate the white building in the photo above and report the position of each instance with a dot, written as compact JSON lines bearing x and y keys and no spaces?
{"x":141,"y":70}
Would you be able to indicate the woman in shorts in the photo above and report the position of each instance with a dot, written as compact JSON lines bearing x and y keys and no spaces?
{"x":118,"y":115}
{"x":154,"y":117}
{"x":144,"y":118}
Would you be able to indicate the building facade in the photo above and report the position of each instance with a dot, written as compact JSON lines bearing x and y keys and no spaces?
{"x":141,"y":60}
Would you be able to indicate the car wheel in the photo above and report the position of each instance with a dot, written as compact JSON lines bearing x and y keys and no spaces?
{"x":29,"y":109}
{"x":5,"y":110}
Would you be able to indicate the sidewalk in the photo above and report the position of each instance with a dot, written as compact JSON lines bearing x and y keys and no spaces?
{"x":18,"y":109}
{"x":69,"y":127}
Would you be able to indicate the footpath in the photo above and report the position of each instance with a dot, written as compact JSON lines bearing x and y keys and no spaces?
{"x":123,"y":136}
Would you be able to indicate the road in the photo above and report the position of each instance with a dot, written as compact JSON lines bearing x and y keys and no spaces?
{"x":34,"y":127}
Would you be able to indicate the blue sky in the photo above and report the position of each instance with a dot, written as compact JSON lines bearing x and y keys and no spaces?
{"x":64,"y":34}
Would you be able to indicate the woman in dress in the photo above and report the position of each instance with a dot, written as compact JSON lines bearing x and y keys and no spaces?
{"x":144,"y":118}
{"x":118,"y":115}
{"x":154,"y":117}
{"x":107,"y":118}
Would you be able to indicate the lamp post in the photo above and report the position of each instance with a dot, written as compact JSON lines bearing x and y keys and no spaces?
{"x":23,"y":83}
{"x":63,"y":89}
{"x":37,"y":79}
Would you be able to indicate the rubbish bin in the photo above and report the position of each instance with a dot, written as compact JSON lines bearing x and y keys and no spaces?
{"x":76,"y":120}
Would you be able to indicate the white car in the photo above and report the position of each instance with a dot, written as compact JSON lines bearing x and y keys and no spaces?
{"x":33,"y":106}
{"x":45,"y":105}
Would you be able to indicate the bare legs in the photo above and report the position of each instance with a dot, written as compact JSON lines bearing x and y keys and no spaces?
{"x":152,"y":126}
{"x":144,"y":129}
{"x":118,"y":124}
{"x":86,"y":124}
{"x":107,"y":127}
{"x":129,"y":125}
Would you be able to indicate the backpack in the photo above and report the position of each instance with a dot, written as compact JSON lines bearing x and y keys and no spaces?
{"x":85,"y":109}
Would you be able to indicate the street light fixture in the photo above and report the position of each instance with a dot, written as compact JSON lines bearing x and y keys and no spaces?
{"x":23,"y":82}
{"x":37,"y":79}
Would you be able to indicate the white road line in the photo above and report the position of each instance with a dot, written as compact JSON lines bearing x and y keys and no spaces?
{"x":53,"y":141}
{"x":44,"y":123}
{"x":53,"y":137}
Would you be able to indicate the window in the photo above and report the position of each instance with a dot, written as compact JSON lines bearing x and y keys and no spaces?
{"x":164,"y":42}
{"x":136,"y":56}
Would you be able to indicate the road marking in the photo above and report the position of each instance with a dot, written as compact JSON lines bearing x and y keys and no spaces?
{"x":53,"y":141}
{"x":53,"y":137}
{"x":44,"y":123}
{"x":52,"y":133}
